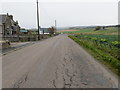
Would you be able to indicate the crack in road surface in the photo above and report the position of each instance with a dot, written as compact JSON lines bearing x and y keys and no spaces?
{"x":56,"y":76}
{"x":57,"y":62}
{"x":68,"y":73}
{"x":21,"y":81}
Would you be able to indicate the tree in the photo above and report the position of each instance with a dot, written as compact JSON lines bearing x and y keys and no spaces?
{"x":98,"y":28}
{"x":51,"y":30}
{"x":103,"y":27}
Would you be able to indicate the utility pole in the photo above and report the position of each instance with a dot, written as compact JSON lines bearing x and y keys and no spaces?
{"x":55,"y":26}
{"x":55,"y":23}
{"x":38,"y":21}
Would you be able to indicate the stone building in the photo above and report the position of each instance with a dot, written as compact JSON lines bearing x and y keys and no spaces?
{"x":8,"y":27}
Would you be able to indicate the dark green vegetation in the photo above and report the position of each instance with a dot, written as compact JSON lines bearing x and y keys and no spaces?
{"x":105,"y":48}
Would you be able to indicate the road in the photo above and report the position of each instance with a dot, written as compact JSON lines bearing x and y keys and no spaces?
{"x":57,"y":62}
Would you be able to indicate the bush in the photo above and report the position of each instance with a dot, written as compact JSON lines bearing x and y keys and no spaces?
{"x":98,"y":28}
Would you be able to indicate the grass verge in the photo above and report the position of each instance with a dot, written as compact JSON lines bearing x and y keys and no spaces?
{"x":100,"y":55}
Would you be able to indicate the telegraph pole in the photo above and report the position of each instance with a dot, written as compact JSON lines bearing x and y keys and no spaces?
{"x":55,"y":26}
{"x":38,"y":21}
{"x":55,"y":23}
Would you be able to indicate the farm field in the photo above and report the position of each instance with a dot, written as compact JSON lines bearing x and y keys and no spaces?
{"x":106,"y":31}
{"x":103,"y":45}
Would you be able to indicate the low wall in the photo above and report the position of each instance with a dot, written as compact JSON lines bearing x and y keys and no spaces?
{"x":25,"y":38}
{"x":20,"y":38}
{"x":4,"y":44}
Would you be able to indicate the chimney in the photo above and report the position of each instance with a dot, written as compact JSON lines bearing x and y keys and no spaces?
{"x":16,"y":22}
{"x":7,"y":14}
{"x":11,"y":17}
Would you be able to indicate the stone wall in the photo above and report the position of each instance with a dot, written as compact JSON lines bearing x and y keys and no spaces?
{"x":25,"y":38}
{"x":4,"y":44}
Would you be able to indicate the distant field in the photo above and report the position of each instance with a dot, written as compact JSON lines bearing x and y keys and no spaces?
{"x":75,"y":31}
{"x":107,"y":31}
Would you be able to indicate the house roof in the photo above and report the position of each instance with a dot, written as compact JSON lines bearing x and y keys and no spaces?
{"x":2,"y":19}
{"x":23,"y":30}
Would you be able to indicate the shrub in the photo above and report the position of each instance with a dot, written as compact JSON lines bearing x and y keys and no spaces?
{"x":98,"y":28}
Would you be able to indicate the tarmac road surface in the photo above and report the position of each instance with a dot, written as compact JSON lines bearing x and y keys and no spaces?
{"x":57,"y":62}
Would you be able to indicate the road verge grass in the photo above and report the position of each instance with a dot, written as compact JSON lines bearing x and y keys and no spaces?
{"x":100,"y":55}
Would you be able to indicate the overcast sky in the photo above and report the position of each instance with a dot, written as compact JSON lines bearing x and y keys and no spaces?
{"x":67,"y":13}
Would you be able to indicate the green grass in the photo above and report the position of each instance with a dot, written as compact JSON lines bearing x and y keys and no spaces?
{"x":107,"y":31}
{"x":99,"y":54}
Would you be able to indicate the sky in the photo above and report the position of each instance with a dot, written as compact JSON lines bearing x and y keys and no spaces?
{"x":67,"y":13}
